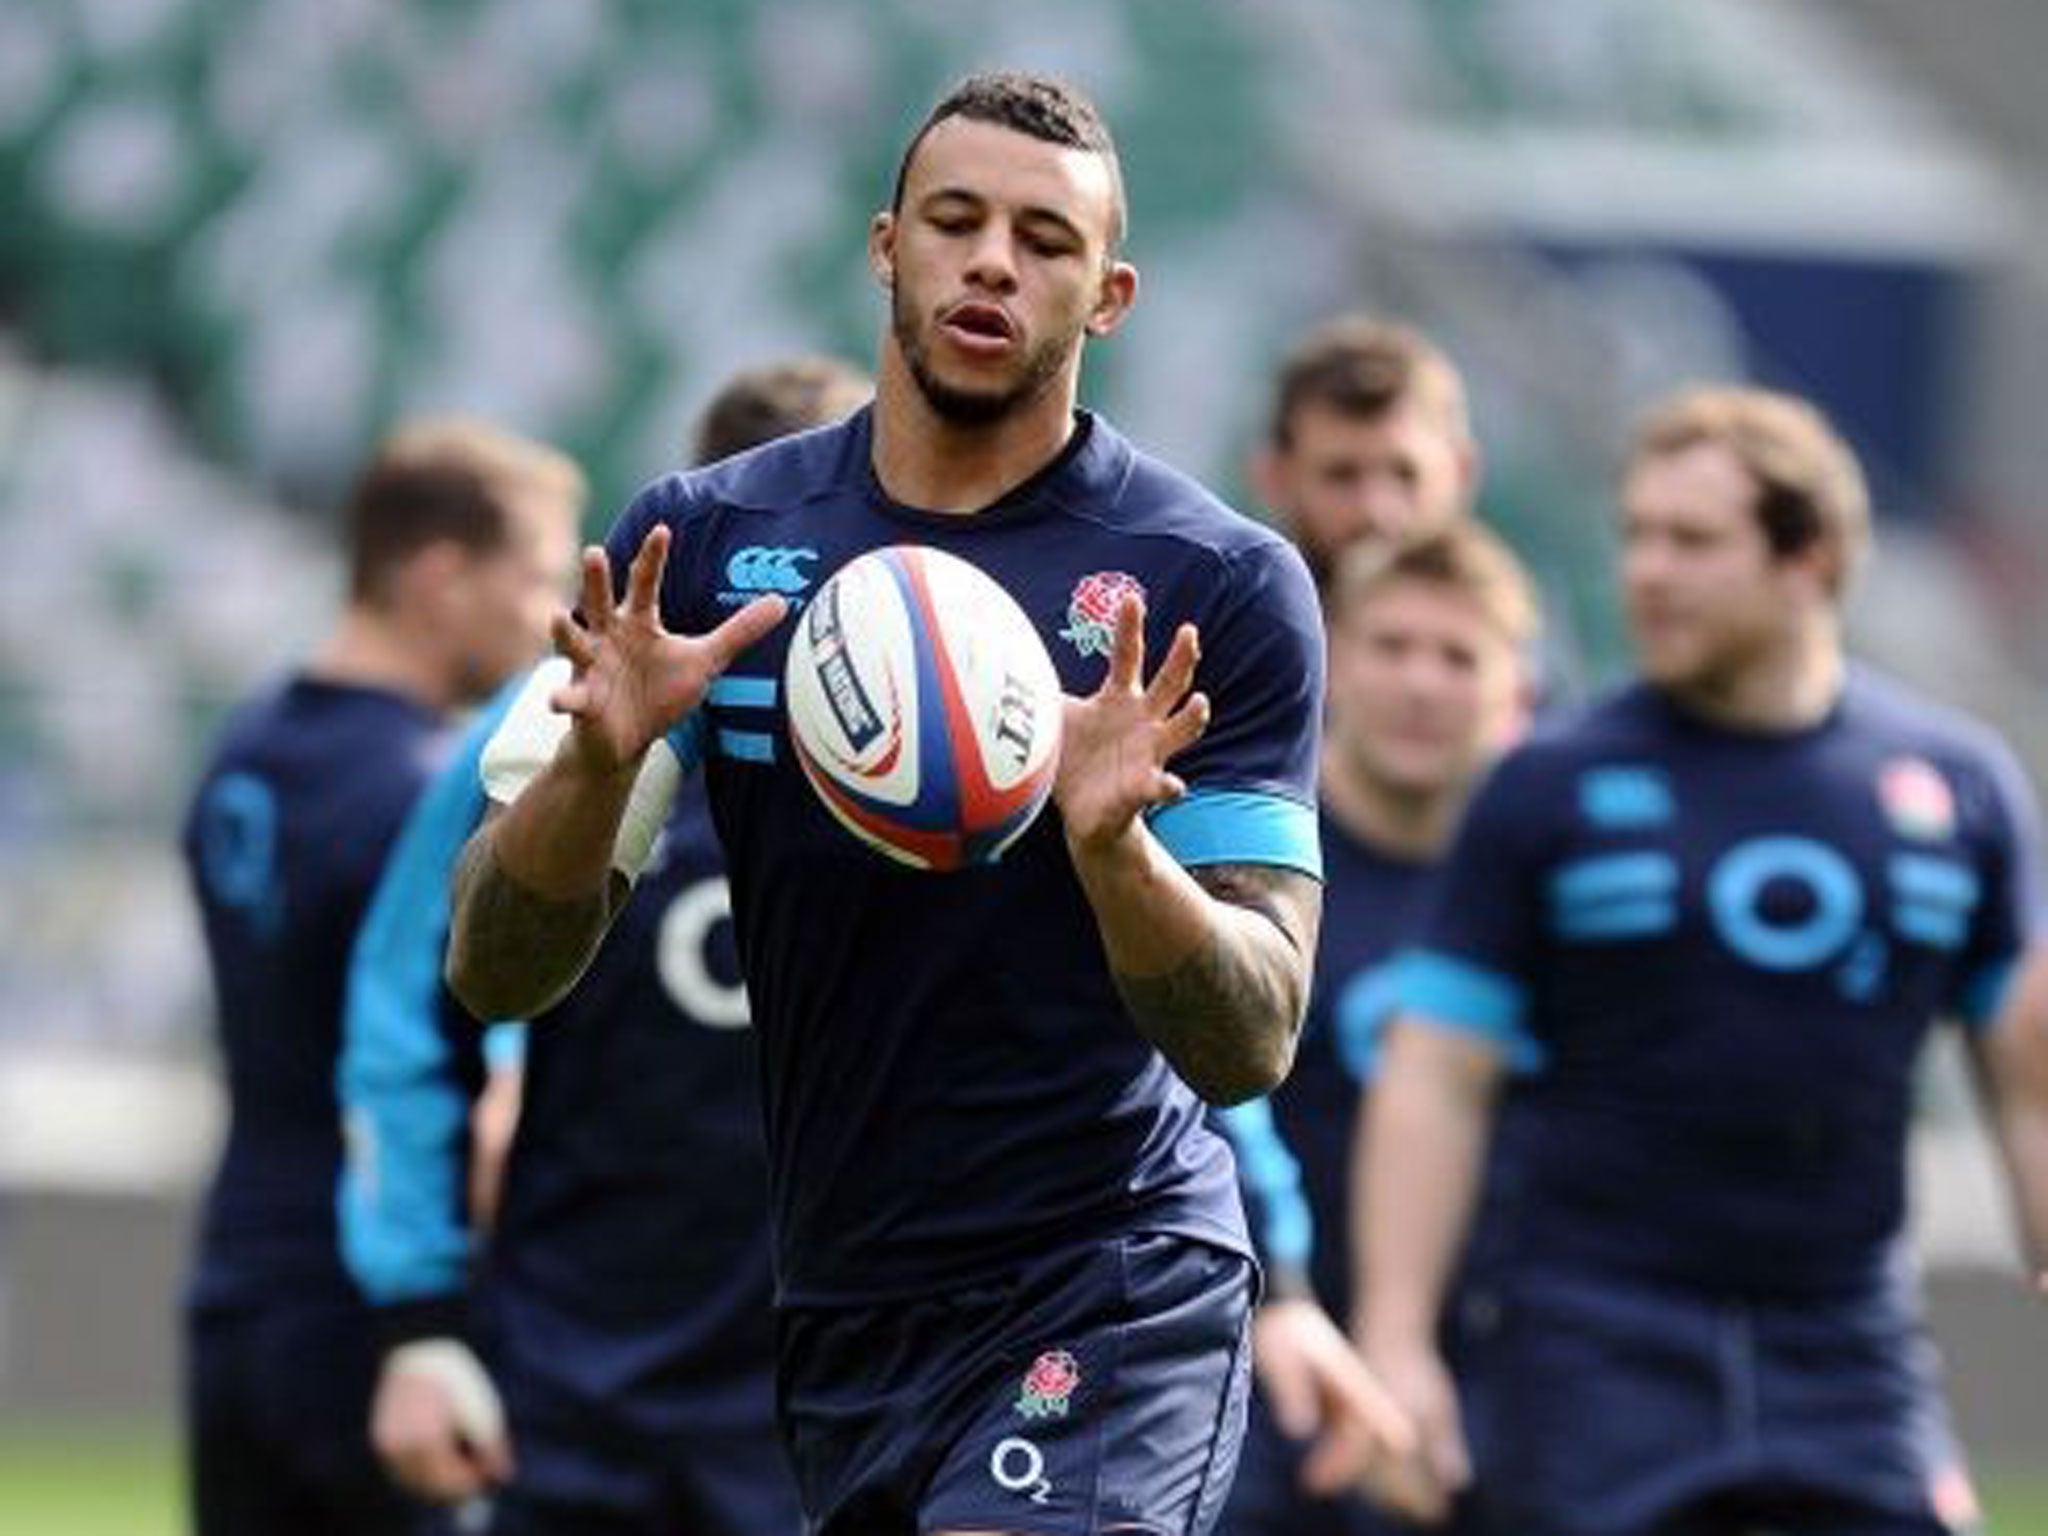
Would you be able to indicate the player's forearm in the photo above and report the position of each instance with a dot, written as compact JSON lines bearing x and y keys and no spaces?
{"x":2012,"y":1075}
{"x":1217,"y":986}
{"x":2023,"y":1139}
{"x":535,"y":893}
{"x":1419,"y":1154}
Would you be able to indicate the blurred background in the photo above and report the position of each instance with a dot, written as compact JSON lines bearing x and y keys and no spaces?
{"x":239,"y":237}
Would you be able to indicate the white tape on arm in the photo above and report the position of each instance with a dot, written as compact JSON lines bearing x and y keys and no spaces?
{"x":526,"y":741}
{"x":473,"y":1400}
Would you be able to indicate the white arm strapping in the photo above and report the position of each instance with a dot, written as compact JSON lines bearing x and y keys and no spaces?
{"x":451,"y":1365}
{"x":526,"y":740}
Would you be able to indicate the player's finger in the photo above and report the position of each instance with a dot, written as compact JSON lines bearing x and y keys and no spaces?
{"x":1403,"y":1485}
{"x":1337,"y":1460}
{"x":1450,"y":1463}
{"x":643,"y":579}
{"x":594,"y":594}
{"x":1374,"y":1409}
{"x":1127,"y":649}
{"x":572,"y":640}
{"x":494,"y":1459}
{"x":1169,"y":787}
{"x":1291,"y":1394}
{"x":1176,"y":674}
{"x":1184,"y":727}
{"x":437,"y":1469}
{"x":730,"y":640}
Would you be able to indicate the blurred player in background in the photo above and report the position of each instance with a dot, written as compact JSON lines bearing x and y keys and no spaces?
{"x":623,"y":1303}
{"x":1714,"y":920}
{"x":1368,"y":445}
{"x":1013,"y":1275}
{"x":1369,"y":438}
{"x":1429,"y":637}
{"x":460,"y":539}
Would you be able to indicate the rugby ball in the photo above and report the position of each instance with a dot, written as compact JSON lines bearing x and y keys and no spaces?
{"x":923,"y":707}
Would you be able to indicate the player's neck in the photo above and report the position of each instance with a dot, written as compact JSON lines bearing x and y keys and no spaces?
{"x":1791,"y":688}
{"x":1406,"y":824}
{"x":369,"y":649}
{"x":923,"y":460}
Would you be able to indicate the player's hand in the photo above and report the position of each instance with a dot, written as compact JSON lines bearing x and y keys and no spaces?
{"x":437,"y":1422}
{"x":1422,"y":1485}
{"x":630,"y":679}
{"x":1117,"y":742}
{"x":1320,"y":1391}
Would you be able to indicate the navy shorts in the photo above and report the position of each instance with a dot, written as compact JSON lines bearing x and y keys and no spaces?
{"x":1103,"y":1389}
{"x":1597,"y":1408}
{"x":620,"y":1431}
{"x":730,"y":1482}
{"x":277,"y":1411}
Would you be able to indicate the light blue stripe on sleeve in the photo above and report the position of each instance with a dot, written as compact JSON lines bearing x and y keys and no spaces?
{"x":744,"y":692}
{"x":1240,"y":827}
{"x":1365,"y":1005}
{"x":505,"y":1045}
{"x":747,"y":746}
{"x":1285,"y":1226}
{"x":1467,"y":999}
{"x":406,"y":1115}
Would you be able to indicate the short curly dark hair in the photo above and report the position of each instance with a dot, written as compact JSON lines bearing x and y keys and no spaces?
{"x":1036,"y":105}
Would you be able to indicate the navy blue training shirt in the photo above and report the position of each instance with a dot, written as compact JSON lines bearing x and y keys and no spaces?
{"x":285,"y":837}
{"x":1720,"y":953}
{"x":630,"y":1253}
{"x":1295,"y":1145}
{"x":952,"y":1085}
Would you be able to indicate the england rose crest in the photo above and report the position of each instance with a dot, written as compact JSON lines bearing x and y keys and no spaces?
{"x":1048,"y":1385}
{"x":1092,"y":610}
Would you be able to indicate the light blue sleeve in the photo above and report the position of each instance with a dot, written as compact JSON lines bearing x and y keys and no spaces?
{"x":1460,"y":997}
{"x":405,"y":1112}
{"x":1240,"y":827}
{"x":1283,"y":1227}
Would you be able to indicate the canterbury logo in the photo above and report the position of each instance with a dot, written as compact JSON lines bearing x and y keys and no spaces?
{"x":769,"y":568}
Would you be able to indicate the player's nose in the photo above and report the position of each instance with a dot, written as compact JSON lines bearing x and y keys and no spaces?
{"x":992,"y":257}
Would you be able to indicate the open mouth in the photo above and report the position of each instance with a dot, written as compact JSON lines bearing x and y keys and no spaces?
{"x":979,"y":327}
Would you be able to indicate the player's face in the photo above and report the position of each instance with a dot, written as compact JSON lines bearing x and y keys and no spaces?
{"x":1424,"y":689}
{"x":1342,"y":478}
{"x":997,"y":265}
{"x":1706,"y":599}
{"x":504,"y":599}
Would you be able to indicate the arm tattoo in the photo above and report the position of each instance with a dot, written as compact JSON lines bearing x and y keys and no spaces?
{"x":1226,"y":1017}
{"x":511,"y":953}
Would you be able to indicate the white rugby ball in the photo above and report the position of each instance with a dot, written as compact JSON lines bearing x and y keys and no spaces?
{"x":923,"y":707}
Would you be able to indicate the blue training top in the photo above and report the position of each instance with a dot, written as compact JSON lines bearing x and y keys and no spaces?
{"x":634,"y":1212}
{"x":1295,"y":1146}
{"x":1720,"y":953}
{"x":284,"y":840}
{"x":952,"y":1084}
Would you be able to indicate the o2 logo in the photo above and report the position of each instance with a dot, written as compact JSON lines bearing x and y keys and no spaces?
{"x":1742,"y":883}
{"x":1018,"y":1466}
{"x":1833,"y":896}
{"x":1780,"y":903}
{"x":682,"y":956}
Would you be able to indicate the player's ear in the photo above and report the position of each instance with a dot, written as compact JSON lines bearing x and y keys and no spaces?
{"x":1115,"y":295}
{"x":429,"y":580}
{"x":882,"y":248}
